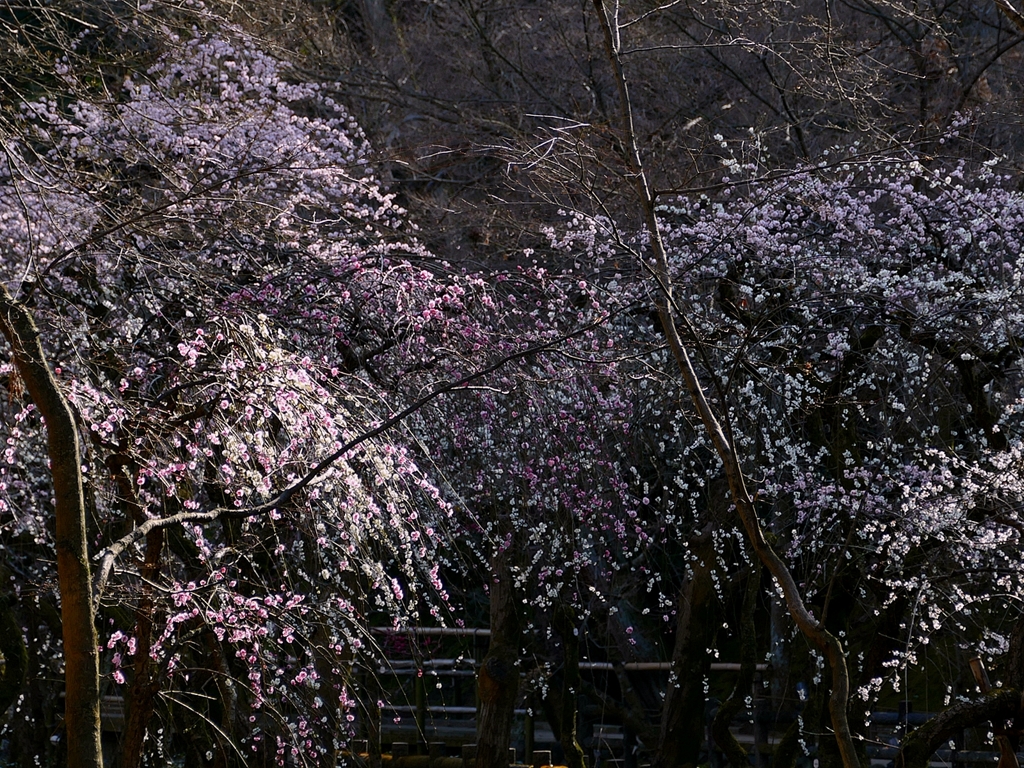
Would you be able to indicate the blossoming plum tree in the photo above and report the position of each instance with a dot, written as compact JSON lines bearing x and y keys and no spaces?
{"x":234,"y":312}
{"x":859,"y":334}
{"x":875,"y":345}
{"x":919,"y":220}
{"x":233,"y":315}
{"x":538,"y":459}
{"x":206,"y":284}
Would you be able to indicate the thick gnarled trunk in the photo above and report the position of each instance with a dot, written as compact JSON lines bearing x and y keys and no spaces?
{"x":920,"y":744}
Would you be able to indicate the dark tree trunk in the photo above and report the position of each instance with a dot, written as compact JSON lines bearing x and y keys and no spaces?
{"x":998,"y":706}
{"x":498,"y":681}
{"x":78,"y":618}
{"x":682,"y":721}
{"x":145,"y":684}
{"x":921,"y":743}
{"x":566,"y":705}
{"x":736,"y":754}
{"x":15,"y":653}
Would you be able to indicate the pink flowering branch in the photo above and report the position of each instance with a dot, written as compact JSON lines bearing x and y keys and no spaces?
{"x":109,"y":555}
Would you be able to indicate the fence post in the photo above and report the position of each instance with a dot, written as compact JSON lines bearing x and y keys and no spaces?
{"x":628,"y":747}
{"x":528,"y":733}
{"x":755,"y":714}
{"x":420,"y":692}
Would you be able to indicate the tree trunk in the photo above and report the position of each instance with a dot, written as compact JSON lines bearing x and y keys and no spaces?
{"x":498,"y":680}
{"x":81,"y":652}
{"x":682,"y":721}
{"x":15,"y":653}
{"x":145,"y":684}
{"x":719,"y":435}
{"x":141,"y":694}
{"x":920,"y":744}
{"x":567,"y":705}
{"x":723,"y":737}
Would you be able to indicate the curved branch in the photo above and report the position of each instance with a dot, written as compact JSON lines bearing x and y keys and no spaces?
{"x":920,"y":744}
{"x":109,"y":555}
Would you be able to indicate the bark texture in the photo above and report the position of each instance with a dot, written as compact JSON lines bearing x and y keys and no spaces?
{"x":498,"y":680}
{"x":81,"y":654}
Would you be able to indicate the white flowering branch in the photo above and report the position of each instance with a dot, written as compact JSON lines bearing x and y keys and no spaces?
{"x":670,"y":317}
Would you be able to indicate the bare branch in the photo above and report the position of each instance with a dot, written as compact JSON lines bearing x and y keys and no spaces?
{"x":1011,"y":13}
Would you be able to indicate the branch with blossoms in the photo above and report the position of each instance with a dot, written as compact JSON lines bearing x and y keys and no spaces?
{"x":723,"y":443}
{"x":108,"y":557}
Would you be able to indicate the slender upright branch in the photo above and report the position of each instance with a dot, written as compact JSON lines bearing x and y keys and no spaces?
{"x":670,"y":317}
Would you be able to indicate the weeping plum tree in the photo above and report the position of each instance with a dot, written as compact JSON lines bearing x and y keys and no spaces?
{"x":795,"y":358}
{"x":154,"y":261}
{"x":235,"y":311}
{"x":890,"y":367}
